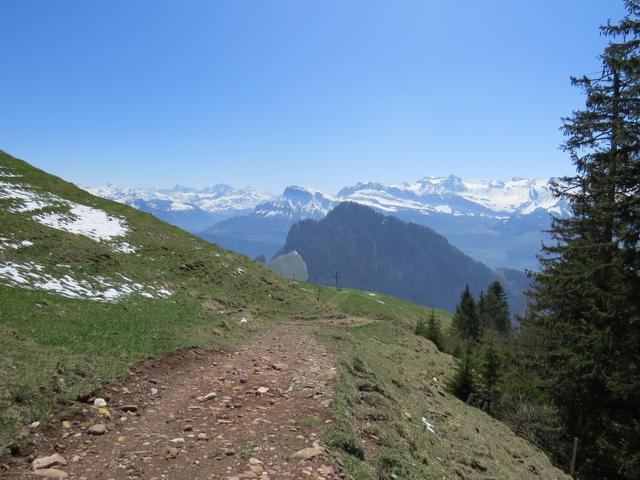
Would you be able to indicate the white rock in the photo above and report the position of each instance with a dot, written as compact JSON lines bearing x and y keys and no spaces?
{"x":208,"y":396}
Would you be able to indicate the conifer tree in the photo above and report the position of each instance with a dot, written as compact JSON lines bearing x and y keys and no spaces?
{"x":586,"y":293}
{"x":421,"y":327}
{"x":462,"y":384}
{"x":483,"y":313}
{"x":433,"y":331}
{"x":497,"y":308}
{"x":490,"y":373}
{"x":466,"y":322}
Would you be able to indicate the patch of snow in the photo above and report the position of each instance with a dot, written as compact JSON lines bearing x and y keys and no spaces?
{"x":124,"y":247}
{"x":80,"y":219}
{"x":7,"y":174}
{"x":87,"y":221}
{"x":26,"y":200}
{"x":429,"y":426}
{"x":6,"y":243}
{"x":31,"y":276}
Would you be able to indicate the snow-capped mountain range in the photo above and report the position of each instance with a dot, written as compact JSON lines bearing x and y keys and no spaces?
{"x":214,"y":199}
{"x":454,"y":196}
{"x":478,"y":216}
{"x":448,"y":195}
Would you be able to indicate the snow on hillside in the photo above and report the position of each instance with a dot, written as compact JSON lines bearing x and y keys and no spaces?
{"x":7,"y":243}
{"x":32,"y":276}
{"x":62,"y":214}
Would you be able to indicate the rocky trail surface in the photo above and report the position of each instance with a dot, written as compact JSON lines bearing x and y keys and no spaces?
{"x":256,"y":413}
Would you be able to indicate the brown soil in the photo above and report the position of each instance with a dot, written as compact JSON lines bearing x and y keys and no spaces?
{"x":161,"y":428}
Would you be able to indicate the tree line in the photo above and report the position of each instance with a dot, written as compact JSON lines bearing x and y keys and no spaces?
{"x":570,"y":370}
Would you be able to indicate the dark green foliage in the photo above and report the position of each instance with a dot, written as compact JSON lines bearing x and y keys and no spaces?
{"x":431,"y":329}
{"x":493,"y":309}
{"x":466,"y":322}
{"x":463,"y":384}
{"x":434,"y":332}
{"x":586,"y":300}
{"x":490,"y":371}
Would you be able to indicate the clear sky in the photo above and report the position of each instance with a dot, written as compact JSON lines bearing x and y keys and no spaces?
{"x":275,"y":92}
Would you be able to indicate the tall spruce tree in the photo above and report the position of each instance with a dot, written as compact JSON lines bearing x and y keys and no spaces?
{"x":421,"y":327}
{"x":463,"y":384}
{"x":497,"y":308}
{"x":483,"y":312}
{"x":433,"y":331}
{"x":490,"y":367}
{"x":587,"y":293}
{"x":466,"y":321}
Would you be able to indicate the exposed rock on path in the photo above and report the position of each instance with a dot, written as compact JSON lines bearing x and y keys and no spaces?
{"x":254,"y":413}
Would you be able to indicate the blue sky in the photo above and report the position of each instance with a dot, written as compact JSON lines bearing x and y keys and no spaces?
{"x":275,"y":92}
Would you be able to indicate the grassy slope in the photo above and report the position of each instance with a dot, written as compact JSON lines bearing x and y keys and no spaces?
{"x":386,"y":371}
{"x":389,"y":379}
{"x":55,"y":348}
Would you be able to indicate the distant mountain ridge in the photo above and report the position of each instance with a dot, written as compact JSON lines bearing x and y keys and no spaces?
{"x":377,"y":252}
{"x":193,"y":209}
{"x":497,"y":222}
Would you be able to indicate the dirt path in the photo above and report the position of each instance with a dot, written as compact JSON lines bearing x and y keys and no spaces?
{"x":203,"y":415}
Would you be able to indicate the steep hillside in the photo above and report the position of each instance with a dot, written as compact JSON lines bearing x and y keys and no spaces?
{"x":371,"y":251}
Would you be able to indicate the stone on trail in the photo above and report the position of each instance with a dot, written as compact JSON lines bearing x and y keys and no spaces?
{"x":208,"y":396}
{"x":280,"y":366}
{"x":99,"y":402}
{"x":129,"y":408}
{"x":97,"y":429}
{"x":105,"y":412}
{"x":172,"y":452}
{"x":307,"y":453}
{"x":50,"y":461}
{"x":262,"y":390}
{"x":50,"y":473}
